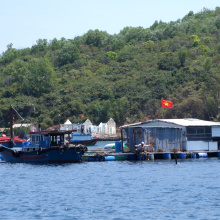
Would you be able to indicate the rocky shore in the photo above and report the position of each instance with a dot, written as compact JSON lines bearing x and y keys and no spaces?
{"x":109,"y":138}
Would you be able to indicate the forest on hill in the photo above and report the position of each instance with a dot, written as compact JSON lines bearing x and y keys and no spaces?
{"x":122,"y":76}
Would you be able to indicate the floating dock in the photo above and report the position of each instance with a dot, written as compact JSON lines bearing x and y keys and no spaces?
{"x":100,"y":154}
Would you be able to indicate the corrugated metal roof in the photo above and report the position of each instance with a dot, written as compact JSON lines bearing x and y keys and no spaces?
{"x":181,"y":122}
{"x":190,"y":122}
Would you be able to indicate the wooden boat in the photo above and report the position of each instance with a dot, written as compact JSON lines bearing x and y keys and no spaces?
{"x":6,"y":141}
{"x":79,"y":136}
{"x":45,"y":147}
{"x":91,"y":142}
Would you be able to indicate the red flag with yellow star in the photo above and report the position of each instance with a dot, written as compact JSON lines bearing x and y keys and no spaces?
{"x":166,"y":104}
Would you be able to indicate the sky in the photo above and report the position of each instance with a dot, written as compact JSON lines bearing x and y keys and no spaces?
{"x":23,"y":22}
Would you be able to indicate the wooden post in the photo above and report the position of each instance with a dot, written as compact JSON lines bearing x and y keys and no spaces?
{"x":59,"y":122}
{"x":11,"y":126}
{"x":122,"y":149}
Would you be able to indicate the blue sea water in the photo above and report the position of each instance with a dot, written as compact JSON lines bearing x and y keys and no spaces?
{"x":159,"y":189}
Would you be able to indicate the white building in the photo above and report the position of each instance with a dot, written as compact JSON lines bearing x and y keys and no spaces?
{"x":90,"y":127}
{"x":101,"y":128}
{"x":31,"y":126}
{"x":67,"y":126}
{"x":108,"y":128}
{"x":87,"y":126}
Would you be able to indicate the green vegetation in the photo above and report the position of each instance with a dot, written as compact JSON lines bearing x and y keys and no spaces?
{"x":122,"y":76}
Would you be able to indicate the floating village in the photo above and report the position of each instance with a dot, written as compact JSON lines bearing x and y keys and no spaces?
{"x":151,"y":140}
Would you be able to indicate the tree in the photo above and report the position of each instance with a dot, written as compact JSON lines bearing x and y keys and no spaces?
{"x":55,"y":44}
{"x":168,"y":61}
{"x":10,"y":54}
{"x":40,"y":46}
{"x":94,"y":38}
{"x":195,"y":40}
{"x":112,"y":55}
{"x":182,"y":53}
{"x":155,"y":24}
{"x":208,"y":64}
{"x":149,"y":46}
{"x":40,"y":77}
{"x":68,"y":54}
{"x":132,"y":35}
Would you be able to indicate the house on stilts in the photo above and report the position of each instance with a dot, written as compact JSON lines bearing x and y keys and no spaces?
{"x":173,"y":135}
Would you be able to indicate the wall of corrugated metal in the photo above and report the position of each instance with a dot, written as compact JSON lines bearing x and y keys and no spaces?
{"x":156,"y":139}
{"x":163,"y":139}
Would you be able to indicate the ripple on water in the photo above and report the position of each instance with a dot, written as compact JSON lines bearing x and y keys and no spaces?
{"x":111,"y":190}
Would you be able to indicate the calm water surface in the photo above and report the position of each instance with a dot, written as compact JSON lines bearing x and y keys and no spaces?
{"x":157,"y":189}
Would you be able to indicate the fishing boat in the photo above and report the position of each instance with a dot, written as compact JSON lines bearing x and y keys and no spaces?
{"x":17,"y":142}
{"x":79,"y":136}
{"x":45,"y":147}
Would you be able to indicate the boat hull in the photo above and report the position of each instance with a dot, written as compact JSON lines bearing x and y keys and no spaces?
{"x":86,"y":142}
{"x":50,"y":155}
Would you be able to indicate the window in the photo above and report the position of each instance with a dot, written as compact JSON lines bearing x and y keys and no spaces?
{"x":191,"y":130}
{"x":198,"y":132}
{"x":33,"y":139}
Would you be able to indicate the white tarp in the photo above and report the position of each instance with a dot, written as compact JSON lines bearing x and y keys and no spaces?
{"x":202,"y":145}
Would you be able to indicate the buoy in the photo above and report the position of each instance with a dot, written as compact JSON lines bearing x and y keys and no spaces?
{"x":194,"y":155}
{"x":181,"y":155}
{"x":109,"y":158}
{"x":199,"y":155}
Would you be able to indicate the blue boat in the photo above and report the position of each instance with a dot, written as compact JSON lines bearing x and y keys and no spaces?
{"x":78,"y":136}
{"x":45,"y":147}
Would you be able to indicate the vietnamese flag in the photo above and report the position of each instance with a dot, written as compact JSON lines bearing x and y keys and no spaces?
{"x":82,"y":116}
{"x":166,"y":104}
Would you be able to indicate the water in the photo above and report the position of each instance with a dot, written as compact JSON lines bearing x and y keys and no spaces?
{"x":159,"y":189}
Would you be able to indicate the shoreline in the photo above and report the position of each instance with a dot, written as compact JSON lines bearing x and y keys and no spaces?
{"x":116,"y":138}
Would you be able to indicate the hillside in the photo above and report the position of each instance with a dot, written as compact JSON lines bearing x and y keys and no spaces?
{"x":121,"y":76}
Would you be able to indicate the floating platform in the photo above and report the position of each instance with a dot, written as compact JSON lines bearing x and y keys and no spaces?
{"x":100,"y":154}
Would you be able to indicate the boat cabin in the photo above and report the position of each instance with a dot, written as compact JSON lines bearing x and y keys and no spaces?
{"x":79,"y":134}
{"x":47,"y":139}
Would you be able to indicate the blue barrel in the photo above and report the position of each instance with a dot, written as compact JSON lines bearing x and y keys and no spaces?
{"x":199,"y":155}
{"x":109,"y":158}
{"x":218,"y":154}
{"x":167,"y":156}
{"x":141,"y":157}
{"x":194,"y":155}
{"x":93,"y":159}
{"x":118,"y":147}
{"x":182,"y":155}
